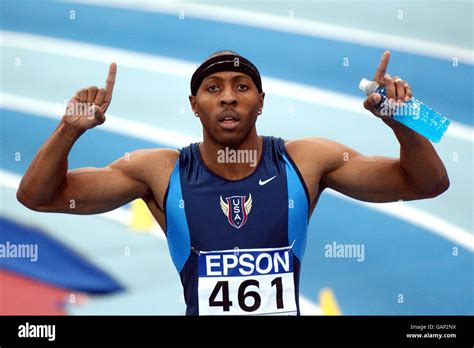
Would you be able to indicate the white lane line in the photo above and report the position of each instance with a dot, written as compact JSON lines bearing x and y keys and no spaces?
{"x":309,"y":308}
{"x":419,"y":218}
{"x":97,"y":53}
{"x":122,"y":216}
{"x":294,"y":25}
{"x":157,"y":64}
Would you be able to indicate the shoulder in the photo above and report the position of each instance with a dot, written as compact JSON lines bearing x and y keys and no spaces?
{"x":312,"y":143}
{"x":143,"y":157}
{"x":144,"y":163}
{"x":165,"y":156}
{"x":321,"y":153}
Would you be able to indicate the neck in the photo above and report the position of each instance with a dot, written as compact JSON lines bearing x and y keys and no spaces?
{"x":232,"y":163}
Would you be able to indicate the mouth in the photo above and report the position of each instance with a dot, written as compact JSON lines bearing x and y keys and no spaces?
{"x":229,"y":120}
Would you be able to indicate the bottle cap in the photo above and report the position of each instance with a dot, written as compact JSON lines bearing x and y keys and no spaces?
{"x":367,"y":86}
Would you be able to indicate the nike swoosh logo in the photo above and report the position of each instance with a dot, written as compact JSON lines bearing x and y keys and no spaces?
{"x":261,"y":183}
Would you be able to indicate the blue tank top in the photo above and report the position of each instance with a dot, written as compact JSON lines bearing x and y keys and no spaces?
{"x":238,"y":244}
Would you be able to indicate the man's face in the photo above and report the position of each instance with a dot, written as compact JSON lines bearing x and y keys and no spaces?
{"x":227,"y":103}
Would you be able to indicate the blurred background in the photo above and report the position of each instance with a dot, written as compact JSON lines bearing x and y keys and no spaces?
{"x":418,"y":255}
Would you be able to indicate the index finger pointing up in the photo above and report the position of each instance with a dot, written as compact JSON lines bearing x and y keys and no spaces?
{"x":382,"y":68}
{"x":110,"y":82}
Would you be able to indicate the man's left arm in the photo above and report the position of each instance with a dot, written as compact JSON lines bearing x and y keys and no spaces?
{"x":418,"y":173}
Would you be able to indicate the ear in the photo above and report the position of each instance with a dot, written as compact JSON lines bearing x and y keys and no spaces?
{"x":192,"y":101}
{"x":260,"y":100}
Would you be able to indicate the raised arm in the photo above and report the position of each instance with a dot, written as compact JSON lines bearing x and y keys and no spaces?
{"x":418,"y":173}
{"x":48,"y":186}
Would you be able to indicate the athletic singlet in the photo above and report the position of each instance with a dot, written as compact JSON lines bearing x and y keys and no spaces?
{"x":238,"y":244}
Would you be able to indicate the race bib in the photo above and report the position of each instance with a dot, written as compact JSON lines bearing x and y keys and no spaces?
{"x":246,"y":282}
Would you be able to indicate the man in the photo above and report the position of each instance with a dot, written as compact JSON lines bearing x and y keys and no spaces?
{"x":236,"y":229}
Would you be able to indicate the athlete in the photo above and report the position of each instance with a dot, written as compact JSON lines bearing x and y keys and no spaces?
{"x":236,"y":230}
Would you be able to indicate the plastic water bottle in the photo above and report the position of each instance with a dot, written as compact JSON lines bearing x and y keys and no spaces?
{"x":413,"y":113}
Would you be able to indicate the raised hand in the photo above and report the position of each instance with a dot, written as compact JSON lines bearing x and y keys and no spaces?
{"x":398,"y":90}
{"x":87,"y":107}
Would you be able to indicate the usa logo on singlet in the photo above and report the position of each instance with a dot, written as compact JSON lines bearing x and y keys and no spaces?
{"x":237,"y":209}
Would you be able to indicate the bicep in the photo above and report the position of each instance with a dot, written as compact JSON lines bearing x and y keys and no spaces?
{"x":367,"y":178}
{"x":97,"y":190}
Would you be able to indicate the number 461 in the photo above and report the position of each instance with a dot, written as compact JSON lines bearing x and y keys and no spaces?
{"x":226,"y":303}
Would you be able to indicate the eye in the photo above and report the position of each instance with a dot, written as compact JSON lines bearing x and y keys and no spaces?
{"x":242,"y":87}
{"x":212,"y":88}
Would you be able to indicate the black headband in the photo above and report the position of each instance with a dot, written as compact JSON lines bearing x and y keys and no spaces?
{"x":228,"y":62}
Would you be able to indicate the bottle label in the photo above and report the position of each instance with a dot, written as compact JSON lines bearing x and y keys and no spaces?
{"x":413,"y":114}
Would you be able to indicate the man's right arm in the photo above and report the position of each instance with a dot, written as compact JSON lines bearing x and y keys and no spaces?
{"x":48,"y":186}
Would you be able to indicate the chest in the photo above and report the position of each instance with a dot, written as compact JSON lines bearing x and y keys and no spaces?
{"x":246,"y":214}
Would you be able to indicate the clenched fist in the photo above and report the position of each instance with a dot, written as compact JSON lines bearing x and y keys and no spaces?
{"x":87,"y":107}
{"x":398,"y":91}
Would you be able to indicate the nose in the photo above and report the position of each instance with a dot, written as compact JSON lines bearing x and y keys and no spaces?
{"x":228,"y":97}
